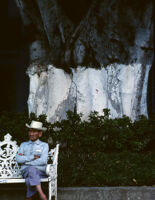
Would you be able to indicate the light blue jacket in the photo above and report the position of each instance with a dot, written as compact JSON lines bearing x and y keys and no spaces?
{"x":29,"y":149}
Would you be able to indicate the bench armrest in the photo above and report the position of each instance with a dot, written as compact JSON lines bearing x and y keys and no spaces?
{"x":48,"y":169}
{"x":51,"y":171}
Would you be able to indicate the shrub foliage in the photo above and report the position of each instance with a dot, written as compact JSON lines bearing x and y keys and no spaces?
{"x":98,"y":152}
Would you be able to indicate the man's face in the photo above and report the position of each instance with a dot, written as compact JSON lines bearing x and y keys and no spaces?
{"x":34,"y":134}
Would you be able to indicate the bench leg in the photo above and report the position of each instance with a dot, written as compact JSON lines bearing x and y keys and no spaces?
{"x":49,"y":190}
{"x":56,"y":189}
{"x":52,"y":190}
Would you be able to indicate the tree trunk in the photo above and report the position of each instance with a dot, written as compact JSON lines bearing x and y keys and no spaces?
{"x":121,"y":88}
{"x":96,"y":58}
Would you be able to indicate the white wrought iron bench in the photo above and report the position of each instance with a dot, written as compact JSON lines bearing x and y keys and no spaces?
{"x":10,"y":170}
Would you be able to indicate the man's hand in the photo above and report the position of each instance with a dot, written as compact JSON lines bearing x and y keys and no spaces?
{"x":36,"y":156}
{"x":20,"y":154}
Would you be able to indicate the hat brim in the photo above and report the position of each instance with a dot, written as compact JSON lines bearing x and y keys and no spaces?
{"x":40,"y":129}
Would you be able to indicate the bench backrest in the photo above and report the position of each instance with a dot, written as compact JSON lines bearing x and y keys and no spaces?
{"x":9,"y":168}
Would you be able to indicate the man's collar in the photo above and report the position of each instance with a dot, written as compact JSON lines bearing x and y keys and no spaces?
{"x":35,"y":142}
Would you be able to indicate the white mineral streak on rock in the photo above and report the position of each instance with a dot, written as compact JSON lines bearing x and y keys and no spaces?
{"x":121,"y":88}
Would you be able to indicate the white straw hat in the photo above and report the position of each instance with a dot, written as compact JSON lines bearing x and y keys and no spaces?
{"x":36,"y":125}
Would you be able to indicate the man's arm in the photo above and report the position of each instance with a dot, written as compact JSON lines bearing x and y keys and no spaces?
{"x":21,"y":158}
{"x":42,"y":160}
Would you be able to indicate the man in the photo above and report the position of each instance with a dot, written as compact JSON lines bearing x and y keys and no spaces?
{"x":33,"y":156}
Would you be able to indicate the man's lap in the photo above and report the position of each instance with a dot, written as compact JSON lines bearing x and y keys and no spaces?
{"x":32,"y":171}
{"x":32,"y":177}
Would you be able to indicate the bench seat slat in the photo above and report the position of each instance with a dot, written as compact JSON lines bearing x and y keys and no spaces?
{"x":18,"y":180}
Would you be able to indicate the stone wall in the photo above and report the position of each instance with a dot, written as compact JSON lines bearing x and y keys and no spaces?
{"x":107,"y":193}
{"x":17,"y":191}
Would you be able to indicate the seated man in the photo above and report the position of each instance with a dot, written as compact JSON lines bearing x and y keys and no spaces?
{"x":33,"y":156}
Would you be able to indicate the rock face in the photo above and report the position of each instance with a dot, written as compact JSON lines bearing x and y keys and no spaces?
{"x":96,"y":58}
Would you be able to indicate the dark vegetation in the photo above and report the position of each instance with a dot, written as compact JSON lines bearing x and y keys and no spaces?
{"x":97,"y":152}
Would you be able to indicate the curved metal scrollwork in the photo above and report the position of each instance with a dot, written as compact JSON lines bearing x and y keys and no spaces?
{"x":8,"y":165}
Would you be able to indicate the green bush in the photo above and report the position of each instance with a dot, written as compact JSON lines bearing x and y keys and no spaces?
{"x":97,"y":152}
{"x":100,"y":133}
{"x":106,"y":169}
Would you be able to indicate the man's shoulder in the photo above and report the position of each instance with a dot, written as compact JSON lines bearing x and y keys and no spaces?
{"x":24,"y":143}
{"x":43,"y":143}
